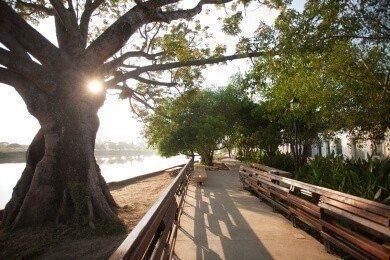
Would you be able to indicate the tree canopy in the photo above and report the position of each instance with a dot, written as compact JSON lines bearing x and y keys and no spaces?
{"x":165,"y":43}
{"x":197,"y":122}
{"x":333,"y":57}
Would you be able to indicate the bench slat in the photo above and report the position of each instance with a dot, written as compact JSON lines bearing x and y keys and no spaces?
{"x":367,"y":224}
{"x":358,"y":240}
{"x":358,"y":211}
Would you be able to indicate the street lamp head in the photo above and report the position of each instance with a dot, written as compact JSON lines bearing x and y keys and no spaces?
{"x":294,"y":103}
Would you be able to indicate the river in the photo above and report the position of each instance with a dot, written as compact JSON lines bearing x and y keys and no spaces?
{"x":113,"y":169}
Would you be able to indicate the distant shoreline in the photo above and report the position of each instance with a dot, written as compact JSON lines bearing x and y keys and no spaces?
{"x":115,"y":155}
{"x":107,"y":151}
{"x":12,"y":157}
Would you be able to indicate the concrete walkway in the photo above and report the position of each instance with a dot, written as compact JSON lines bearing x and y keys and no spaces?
{"x":222,"y":221}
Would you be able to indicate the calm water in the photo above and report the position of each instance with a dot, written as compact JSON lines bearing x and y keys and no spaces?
{"x":113,"y":169}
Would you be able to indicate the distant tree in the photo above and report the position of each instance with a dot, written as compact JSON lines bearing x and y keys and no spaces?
{"x":257,"y":129}
{"x":93,"y":44}
{"x":197,"y":122}
{"x":345,"y":46}
{"x":232,"y":100}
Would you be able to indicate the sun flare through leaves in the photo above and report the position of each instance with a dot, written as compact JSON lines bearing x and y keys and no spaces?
{"x":95,"y":86}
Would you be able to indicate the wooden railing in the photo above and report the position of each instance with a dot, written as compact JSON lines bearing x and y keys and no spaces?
{"x":357,"y":226}
{"x":154,"y":236}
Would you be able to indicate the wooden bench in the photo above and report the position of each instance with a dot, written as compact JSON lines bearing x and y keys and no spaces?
{"x":199,"y":175}
{"x":271,"y":170}
{"x":360,"y":227}
{"x":173,"y":171}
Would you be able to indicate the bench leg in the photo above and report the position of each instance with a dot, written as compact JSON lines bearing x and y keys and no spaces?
{"x":294,"y":221}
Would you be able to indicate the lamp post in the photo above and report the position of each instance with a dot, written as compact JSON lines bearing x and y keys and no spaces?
{"x":294,"y":104}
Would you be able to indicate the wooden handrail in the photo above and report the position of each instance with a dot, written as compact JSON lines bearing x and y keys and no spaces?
{"x":358,"y":226}
{"x":155,"y":234}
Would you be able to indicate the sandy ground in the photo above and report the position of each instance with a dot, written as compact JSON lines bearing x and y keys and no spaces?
{"x":134,"y":199}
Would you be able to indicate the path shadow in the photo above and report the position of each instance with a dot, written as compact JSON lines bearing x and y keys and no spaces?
{"x":219,"y":229}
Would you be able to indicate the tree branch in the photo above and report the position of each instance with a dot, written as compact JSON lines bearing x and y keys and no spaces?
{"x":115,"y":37}
{"x":28,"y":69}
{"x":130,"y":93}
{"x":167,"y":17}
{"x":154,"y":82}
{"x":366,"y":37}
{"x":90,"y":7}
{"x":173,"y":65}
{"x":160,"y":3}
{"x":37,"y":7}
{"x":110,"y":66}
{"x":10,"y":78}
{"x":129,"y":66}
{"x":31,"y":40}
{"x":13,"y":45}
{"x":65,"y":17}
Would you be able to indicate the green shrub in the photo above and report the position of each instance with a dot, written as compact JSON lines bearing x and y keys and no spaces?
{"x":250,"y":157}
{"x":367,"y":179}
{"x":279,"y":160}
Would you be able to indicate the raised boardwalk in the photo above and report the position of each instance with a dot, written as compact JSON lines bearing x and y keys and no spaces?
{"x":222,"y":221}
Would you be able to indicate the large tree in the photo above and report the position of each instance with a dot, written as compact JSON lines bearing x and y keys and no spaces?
{"x":61,"y":177}
{"x":199,"y":122}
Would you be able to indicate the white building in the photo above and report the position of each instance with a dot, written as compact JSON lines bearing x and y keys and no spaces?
{"x":349,"y":147}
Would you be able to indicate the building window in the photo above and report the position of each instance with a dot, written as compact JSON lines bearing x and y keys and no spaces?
{"x":359,"y":150}
{"x":378,"y":149}
{"x":327,"y":145}
{"x":339,"y":148}
{"x":319,"y":149}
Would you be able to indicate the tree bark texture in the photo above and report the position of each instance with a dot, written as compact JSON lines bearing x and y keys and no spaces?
{"x":61,"y":177}
{"x":207,"y":157}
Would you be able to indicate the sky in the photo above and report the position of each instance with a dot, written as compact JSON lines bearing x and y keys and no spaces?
{"x":17,"y":125}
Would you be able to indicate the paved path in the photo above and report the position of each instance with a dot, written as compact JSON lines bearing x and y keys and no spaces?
{"x":222,"y":221}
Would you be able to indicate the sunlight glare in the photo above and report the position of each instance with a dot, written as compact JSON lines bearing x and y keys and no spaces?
{"x":95,"y":86}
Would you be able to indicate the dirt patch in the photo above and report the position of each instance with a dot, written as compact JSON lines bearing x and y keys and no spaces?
{"x":136,"y":199}
{"x":64,"y":242}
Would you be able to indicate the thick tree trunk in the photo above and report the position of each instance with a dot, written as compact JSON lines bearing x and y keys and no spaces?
{"x":62,"y":181}
{"x":207,"y":158}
